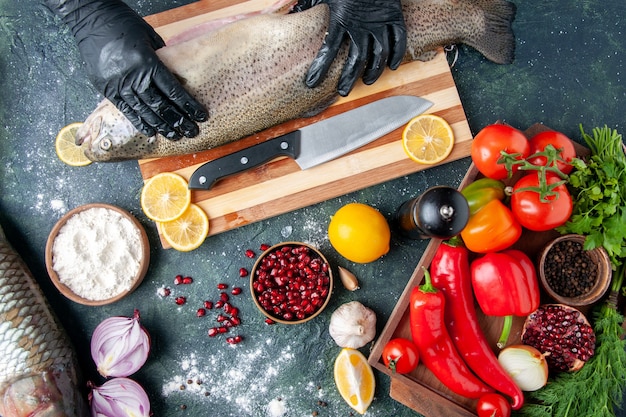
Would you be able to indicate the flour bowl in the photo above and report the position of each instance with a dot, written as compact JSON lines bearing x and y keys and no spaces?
{"x":97,"y":254}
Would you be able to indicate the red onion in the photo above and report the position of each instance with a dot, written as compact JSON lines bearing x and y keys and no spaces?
{"x":120,"y":346}
{"x":119,"y":397}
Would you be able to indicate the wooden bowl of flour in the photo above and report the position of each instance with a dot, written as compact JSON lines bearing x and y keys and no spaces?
{"x":96,"y":254}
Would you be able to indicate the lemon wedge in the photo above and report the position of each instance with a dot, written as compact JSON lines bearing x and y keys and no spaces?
{"x":354,"y":379}
{"x":428,"y":139}
{"x":165,"y":197}
{"x":187,"y":232}
{"x":66,"y":148}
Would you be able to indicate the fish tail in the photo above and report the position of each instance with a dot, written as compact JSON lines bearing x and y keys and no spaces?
{"x":497,"y":41}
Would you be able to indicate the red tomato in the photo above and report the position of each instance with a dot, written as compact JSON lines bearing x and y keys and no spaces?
{"x":531,"y":212}
{"x":493,"y":405}
{"x":490,"y":142}
{"x":400,"y":355}
{"x":561,"y":142}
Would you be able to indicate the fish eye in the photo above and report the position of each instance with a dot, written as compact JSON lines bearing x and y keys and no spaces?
{"x":106,"y":144}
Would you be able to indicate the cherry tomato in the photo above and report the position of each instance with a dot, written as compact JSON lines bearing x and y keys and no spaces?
{"x":532,"y":213}
{"x":493,"y":405}
{"x":490,"y":142}
{"x":561,"y":142}
{"x":400,"y":355}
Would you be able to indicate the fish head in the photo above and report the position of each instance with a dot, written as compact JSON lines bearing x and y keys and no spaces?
{"x":108,"y":135}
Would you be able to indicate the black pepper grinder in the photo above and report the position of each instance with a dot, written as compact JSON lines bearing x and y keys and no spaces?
{"x":440,"y":212}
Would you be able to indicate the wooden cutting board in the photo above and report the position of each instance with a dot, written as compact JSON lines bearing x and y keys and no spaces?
{"x":281,"y":186}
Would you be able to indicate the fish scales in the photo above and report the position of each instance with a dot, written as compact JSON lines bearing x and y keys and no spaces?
{"x":250,"y":74}
{"x":37,"y":359}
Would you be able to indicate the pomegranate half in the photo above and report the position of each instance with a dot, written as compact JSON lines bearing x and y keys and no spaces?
{"x":563,"y":334}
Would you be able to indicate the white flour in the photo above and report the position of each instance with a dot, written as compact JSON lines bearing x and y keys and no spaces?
{"x":96,"y":253}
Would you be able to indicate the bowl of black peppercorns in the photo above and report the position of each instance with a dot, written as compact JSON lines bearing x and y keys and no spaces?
{"x":573,"y":275}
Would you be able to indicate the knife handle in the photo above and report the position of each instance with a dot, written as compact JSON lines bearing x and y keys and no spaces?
{"x":209,"y":173}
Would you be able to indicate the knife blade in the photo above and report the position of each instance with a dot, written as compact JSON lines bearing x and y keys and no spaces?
{"x":319,"y":142}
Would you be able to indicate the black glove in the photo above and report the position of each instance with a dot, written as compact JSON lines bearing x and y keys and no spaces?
{"x":377,"y":37}
{"x":118,"y":47}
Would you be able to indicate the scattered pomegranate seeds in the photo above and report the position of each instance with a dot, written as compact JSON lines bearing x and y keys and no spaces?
{"x":236,"y":291}
{"x":264,"y":247}
{"x":164,"y":291}
{"x":201,"y":312}
{"x":233,"y":340}
{"x":208,"y":305}
{"x":250,"y":253}
{"x":222,"y":286}
{"x":269,"y":321}
{"x":243,"y":272}
{"x":178,"y":279}
{"x":187,"y":280}
{"x":224,"y":297}
{"x":180,"y":300}
{"x":213,"y":332}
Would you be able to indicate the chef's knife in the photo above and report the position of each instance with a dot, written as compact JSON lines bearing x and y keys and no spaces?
{"x":319,"y":142}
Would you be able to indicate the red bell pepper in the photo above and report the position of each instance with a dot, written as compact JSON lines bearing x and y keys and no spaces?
{"x":505,"y":284}
{"x":436,"y":349}
{"x":450,"y":273}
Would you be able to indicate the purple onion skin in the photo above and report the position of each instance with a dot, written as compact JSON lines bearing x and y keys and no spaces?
{"x":119,"y":397}
{"x":120,"y":346}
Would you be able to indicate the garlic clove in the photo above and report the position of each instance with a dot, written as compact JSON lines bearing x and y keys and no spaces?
{"x":526,"y":365}
{"x":348,"y":279}
{"x":352,"y":325}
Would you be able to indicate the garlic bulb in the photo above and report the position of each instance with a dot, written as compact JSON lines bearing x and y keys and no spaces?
{"x":526,"y":365}
{"x":352,"y":325}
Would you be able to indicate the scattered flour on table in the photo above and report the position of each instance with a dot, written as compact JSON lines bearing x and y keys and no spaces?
{"x":242,"y":382}
{"x":97,"y":253}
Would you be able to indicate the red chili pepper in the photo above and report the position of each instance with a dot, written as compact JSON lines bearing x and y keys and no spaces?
{"x":505,"y":284}
{"x":436,"y":349}
{"x":450,"y":273}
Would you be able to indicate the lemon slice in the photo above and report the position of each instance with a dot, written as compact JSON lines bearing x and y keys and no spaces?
{"x":165,"y":197}
{"x":66,"y":147}
{"x":354,"y":379}
{"x":428,"y":139}
{"x":187,"y":232}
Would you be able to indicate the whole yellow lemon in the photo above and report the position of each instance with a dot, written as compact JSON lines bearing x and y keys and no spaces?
{"x":359,"y":233}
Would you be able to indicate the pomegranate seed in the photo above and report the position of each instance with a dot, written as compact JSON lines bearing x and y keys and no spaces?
{"x":233,"y":340}
{"x":236,"y":291}
{"x":250,"y":253}
{"x":222,"y":286}
{"x":243,"y":272}
{"x":234,"y":311}
{"x":222,"y":329}
{"x":178,"y":279}
{"x":221,"y":318}
{"x":201,"y":312}
{"x":228,"y":308}
{"x":264,"y":247}
{"x":219,"y":304}
{"x":236,"y":321}
{"x":208,"y":305}
{"x":164,"y":291}
{"x":224,"y":297}
{"x":269,"y":321}
{"x":180,"y":300}
{"x":187,"y":280}
{"x":213,"y":331}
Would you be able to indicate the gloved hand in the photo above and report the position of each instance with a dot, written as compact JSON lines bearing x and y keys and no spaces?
{"x":377,"y":35}
{"x":118,"y":47}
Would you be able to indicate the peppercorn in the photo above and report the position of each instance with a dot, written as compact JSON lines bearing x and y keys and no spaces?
{"x":569,"y":270}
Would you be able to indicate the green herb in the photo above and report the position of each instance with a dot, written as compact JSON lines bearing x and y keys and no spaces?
{"x":596,"y":389}
{"x":599,"y":193}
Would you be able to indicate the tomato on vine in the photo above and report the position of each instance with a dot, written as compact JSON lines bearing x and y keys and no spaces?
{"x":563,"y":145}
{"x":400,"y":355}
{"x":489,"y":144}
{"x":541,"y":205}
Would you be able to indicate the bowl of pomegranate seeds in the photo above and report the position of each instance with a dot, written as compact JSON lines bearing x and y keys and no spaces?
{"x":291,"y":282}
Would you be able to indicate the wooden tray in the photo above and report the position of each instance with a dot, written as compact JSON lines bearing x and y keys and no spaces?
{"x":281,"y":186}
{"x":421,"y":390}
